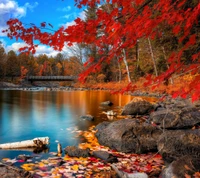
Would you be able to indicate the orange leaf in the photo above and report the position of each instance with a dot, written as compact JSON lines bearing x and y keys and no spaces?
{"x":187,"y":176}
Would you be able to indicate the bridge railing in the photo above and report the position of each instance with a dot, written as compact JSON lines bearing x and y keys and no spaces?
{"x":69,"y":78}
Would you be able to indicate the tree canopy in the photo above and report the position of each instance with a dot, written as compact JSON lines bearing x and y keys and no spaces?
{"x":118,"y":27}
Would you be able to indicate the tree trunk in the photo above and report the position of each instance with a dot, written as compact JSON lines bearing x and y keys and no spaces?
{"x":126,"y":64}
{"x":153,"y":59}
{"x":36,"y":142}
{"x":120,"y":71}
{"x":163,"y":48}
{"x":137,"y":53}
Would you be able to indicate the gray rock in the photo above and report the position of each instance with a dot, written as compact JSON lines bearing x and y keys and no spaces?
{"x":137,"y":106}
{"x":137,"y":175}
{"x":127,"y":135}
{"x":122,"y":174}
{"x":88,"y":117}
{"x":107,"y":157}
{"x":185,"y":165}
{"x":102,"y":126}
{"x":24,"y":157}
{"x":176,"y":118}
{"x":77,"y":152}
{"x":11,"y":172}
{"x":180,"y":103}
{"x":174,"y":144}
{"x":8,"y":85}
{"x":107,"y":103}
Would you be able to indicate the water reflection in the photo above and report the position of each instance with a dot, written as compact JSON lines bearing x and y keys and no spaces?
{"x":26,"y":115}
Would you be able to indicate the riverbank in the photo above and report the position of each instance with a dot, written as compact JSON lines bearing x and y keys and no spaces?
{"x":65,"y":166}
{"x":57,"y":166}
{"x":111,"y":87}
{"x":29,"y":87}
{"x":169,"y":87}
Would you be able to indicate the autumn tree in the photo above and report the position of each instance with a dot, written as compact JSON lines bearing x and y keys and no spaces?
{"x":43,"y":61}
{"x":2,"y":61}
{"x":73,"y":66}
{"x":54,"y":70}
{"x":12,"y":65}
{"x":60,"y":58}
{"x":142,"y":19}
{"x":29,"y":64}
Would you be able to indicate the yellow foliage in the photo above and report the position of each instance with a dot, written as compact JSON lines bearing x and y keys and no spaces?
{"x":58,"y":65}
{"x":75,"y":167}
{"x":92,"y":141}
{"x":28,"y":167}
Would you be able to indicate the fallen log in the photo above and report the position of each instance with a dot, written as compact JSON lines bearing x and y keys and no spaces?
{"x":40,"y":142}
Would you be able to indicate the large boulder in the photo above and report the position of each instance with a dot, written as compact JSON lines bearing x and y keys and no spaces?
{"x":102,"y":125}
{"x":184,"y":166}
{"x":174,"y":144}
{"x":176,"y":118}
{"x":137,"y":106}
{"x":87,"y":117}
{"x":171,"y":103}
{"x":11,"y":171}
{"x":104,"y":155}
{"x":74,"y":151}
{"x":129,"y":136}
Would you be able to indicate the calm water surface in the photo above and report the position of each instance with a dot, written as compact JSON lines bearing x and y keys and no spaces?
{"x":25,"y":115}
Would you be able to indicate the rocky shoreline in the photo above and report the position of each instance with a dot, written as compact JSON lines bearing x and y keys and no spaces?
{"x":29,"y":87}
{"x":169,"y":128}
{"x":55,"y":87}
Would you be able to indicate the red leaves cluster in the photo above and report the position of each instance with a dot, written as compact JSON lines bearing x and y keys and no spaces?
{"x":23,"y":72}
{"x":121,"y":27}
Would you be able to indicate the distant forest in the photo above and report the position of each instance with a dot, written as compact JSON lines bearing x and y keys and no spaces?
{"x":147,"y":56}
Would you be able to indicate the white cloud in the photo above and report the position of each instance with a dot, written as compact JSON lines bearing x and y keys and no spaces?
{"x":41,"y":49}
{"x":69,"y":24}
{"x":11,"y":9}
{"x":3,"y":42}
{"x":5,"y":6}
{"x":81,"y":15}
{"x":15,"y":46}
{"x":65,"y":9}
{"x":31,"y":6}
{"x":74,"y":15}
{"x":68,"y":16}
{"x":1,"y":29}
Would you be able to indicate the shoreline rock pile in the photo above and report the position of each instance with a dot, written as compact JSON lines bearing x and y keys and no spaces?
{"x":172,"y":129}
{"x":134,"y":146}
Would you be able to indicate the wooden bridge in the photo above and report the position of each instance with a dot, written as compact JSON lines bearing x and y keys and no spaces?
{"x":51,"y":78}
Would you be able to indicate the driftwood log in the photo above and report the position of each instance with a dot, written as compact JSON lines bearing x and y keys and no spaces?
{"x":39,"y":142}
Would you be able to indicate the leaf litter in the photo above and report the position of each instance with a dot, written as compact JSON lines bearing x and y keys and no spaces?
{"x":57,"y":166}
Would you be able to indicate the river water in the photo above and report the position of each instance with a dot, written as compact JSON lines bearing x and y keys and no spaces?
{"x":25,"y":115}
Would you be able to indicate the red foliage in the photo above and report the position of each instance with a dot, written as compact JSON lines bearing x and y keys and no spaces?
{"x":24,"y":71}
{"x":139,"y":21}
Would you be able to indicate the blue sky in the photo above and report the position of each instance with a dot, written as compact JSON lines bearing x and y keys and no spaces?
{"x":56,"y":12}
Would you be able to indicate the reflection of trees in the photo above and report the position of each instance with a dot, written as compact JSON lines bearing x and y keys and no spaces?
{"x":43,"y":113}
